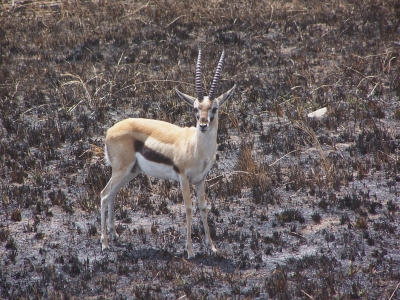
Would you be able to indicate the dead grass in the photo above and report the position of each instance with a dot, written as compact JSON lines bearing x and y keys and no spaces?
{"x":300,"y":208}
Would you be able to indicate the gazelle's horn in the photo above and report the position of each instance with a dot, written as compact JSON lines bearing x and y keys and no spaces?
{"x":214,"y":84}
{"x":199,"y":90}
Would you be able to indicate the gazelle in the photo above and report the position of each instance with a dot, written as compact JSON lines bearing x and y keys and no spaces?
{"x":166,"y":151}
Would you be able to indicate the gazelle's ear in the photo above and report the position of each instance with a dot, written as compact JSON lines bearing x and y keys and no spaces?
{"x":225,"y":96}
{"x":188,"y":99}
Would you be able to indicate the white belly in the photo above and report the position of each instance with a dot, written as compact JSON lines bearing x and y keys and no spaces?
{"x":157,"y":170}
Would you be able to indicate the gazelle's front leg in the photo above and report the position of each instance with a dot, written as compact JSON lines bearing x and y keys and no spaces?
{"x":188,"y":206}
{"x":203,"y":212}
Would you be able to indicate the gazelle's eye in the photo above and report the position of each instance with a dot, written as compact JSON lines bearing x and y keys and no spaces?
{"x":214,"y":110}
{"x":196,"y":111}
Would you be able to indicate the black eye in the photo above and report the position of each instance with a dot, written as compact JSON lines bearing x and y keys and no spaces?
{"x":214,"y":110}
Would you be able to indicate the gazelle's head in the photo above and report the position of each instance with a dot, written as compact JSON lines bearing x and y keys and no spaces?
{"x":206,"y":107}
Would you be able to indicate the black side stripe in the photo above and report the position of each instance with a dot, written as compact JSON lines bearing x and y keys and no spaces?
{"x":154,"y":156}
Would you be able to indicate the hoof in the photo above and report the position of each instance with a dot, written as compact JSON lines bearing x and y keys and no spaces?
{"x":104,"y":245}
{"x":114,"y":236}
{"x":212,"y":247}
{"x":190,"y":253}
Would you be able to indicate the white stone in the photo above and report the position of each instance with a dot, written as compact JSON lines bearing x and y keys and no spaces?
{"x":318,"y":114}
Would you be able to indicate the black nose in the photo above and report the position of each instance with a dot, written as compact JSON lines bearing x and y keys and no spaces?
{"x":203,"y":126}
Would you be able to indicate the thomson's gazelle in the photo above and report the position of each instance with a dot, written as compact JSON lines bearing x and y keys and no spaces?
{"x":166,"y":151}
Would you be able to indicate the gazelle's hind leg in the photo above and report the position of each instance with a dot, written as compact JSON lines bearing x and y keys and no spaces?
{"x":118,"y":179}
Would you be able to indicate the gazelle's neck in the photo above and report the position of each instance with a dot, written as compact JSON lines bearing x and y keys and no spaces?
{"x":206,"y":142}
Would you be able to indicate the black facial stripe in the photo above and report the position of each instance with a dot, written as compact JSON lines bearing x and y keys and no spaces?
{"x":212,"y":114}
{"x":154,"y":156}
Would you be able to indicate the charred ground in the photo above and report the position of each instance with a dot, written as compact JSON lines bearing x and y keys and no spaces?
{"x":300,"y":208}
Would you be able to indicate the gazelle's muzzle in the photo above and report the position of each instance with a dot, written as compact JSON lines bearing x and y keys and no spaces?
{"x":203,"y":124}
{"x":203,"y":127}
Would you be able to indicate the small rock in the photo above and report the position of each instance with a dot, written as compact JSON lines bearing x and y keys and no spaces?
{"x":318,"y":114}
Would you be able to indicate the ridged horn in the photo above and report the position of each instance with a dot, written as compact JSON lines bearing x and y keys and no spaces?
{"x":214,"y":84}
{"x":199,"y":90}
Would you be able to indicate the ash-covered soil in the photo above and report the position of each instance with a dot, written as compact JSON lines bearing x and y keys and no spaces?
{"x":300,"y":207}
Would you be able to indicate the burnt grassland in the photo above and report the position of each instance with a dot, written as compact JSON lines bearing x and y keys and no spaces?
{"x":300,"y":208}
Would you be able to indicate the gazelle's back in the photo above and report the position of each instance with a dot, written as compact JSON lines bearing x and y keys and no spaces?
{"x":139,"y":128}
